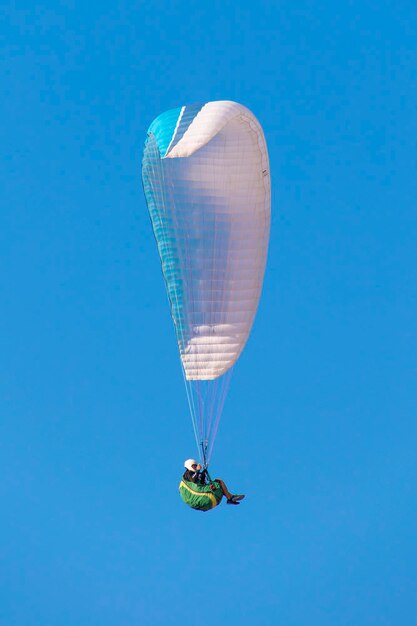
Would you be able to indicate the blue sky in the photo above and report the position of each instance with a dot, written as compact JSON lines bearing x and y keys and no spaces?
{"x":319,"y":428}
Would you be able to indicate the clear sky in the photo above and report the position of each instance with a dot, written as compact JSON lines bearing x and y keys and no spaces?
{"x":319,"y":428}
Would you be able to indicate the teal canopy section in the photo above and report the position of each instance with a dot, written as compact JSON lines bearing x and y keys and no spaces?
{"x":163,"y":127}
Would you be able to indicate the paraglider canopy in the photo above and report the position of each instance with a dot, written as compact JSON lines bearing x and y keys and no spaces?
{"x":206,"y":180}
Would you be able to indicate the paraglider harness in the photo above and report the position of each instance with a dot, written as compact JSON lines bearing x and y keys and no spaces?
{"x":201,"y":496}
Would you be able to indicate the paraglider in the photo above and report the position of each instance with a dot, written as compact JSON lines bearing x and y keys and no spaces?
{"x":206,"y":179}
{"x":200,"y":492}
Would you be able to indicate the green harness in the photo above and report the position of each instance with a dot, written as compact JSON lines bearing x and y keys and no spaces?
{"x":201,"y":497}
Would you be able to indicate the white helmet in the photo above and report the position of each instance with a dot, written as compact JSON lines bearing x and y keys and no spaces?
{"x":188,"y":464}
